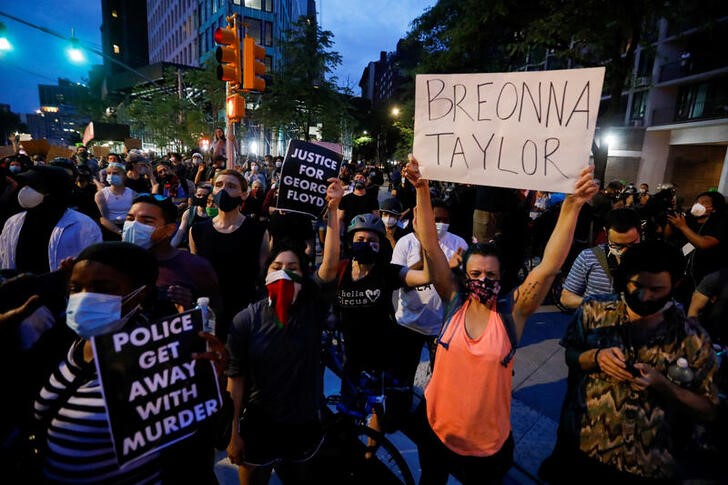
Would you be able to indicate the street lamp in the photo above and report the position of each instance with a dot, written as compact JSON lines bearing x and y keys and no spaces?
{"x":395,"y":111}
{"x":74,"y":52}
{"x":5,"y":44}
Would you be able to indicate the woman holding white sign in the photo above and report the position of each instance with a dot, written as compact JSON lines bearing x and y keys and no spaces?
{"x":467,"y":432}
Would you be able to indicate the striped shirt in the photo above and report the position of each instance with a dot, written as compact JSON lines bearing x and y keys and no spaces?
{"x":587,"y":276}
{"x":78,"y":446}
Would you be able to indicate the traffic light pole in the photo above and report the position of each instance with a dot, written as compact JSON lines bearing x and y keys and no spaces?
{"x":230,"y":147}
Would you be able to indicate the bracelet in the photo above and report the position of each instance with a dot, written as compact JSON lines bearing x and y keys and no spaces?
{"x":596,"y":362}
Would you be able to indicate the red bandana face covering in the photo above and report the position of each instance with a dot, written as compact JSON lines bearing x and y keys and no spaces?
{"x":282,"y":292}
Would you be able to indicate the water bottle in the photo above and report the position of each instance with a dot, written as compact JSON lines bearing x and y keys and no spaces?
{"x":680,"y":373}
{"x":208,"y":316}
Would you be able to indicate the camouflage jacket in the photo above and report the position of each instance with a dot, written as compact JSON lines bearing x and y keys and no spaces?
{"x":627,"y":429}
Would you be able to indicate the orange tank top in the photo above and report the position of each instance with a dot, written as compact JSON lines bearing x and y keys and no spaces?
{"x":469,"y":395}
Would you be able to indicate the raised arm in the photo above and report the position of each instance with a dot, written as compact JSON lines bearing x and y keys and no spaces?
{"x":330,"y":259}
{"x":529,"y":296}
{"x":435,"y":260}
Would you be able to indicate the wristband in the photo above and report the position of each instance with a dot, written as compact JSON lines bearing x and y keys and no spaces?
{"x":596,"y":362}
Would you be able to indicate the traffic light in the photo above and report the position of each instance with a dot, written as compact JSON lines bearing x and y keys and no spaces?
{"x":253,"y":65}
{"x":235,"y":108}
{"x":228,"y":54}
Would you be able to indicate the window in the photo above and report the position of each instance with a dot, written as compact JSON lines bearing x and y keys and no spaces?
{"x":268,"y":63}
{"x":254,"y":29}
{"x":268,"y":33}
{"x":268,"y":6}
{"x":116,"y":49}
{"x":253,"y":4}
{"x":115,"y":14}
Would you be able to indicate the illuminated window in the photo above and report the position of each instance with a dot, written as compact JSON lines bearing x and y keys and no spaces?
{"x":116,"y":49}
{"x":256,"y":4}
{"x":115,"y":14}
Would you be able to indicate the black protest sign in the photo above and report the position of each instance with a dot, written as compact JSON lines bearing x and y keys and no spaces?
{"x":304,"y":175}
{"x":155,"y":393}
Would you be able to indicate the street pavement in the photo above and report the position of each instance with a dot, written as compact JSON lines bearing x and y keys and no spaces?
{"x":539,"y":383}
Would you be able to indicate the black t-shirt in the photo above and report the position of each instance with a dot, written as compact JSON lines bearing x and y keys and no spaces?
{"x":353,"y":205}
{"x":142,"y":185}
{"x":281,"y":365}
{"x":367,"y":316}
{"x":715,"y":316}
{"x":702,"y":262}
{"x":235,"y":259}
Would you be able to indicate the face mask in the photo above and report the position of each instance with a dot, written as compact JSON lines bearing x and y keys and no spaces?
{"x":358,"y":185}
{"x":363,"y":252}
{"x":278,"y":164}
{"x":211,"y":211}
{"x":698,"y":210}
{"x":91,"y":314}
{"x":441,"y":228}
{"x":199,"y":201}
{"x":486,"y":291}
{"x":137,"y":233}
{"x":16,"y":168}
{"x":225,"y":203}
{"x":389,"y":221}
{"x":617,"y":253}
{"x":29,"y":198}
{"x":283,"y":288}
{"x":254,"y":168}
{"x":114,"y":179}
{"x":646,"y":308}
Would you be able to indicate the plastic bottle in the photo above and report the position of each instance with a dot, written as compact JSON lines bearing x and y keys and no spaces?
{"x":208,"y":316}
{"x":680,"y":373}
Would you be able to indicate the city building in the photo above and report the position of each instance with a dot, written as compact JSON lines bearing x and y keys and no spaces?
{"x":172,"y":27}
{"x":380,"y":78}
{"x":57,"y":120}
{"x":123,"y":37}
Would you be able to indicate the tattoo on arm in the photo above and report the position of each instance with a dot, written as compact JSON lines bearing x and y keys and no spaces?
{"x":526,"y":292}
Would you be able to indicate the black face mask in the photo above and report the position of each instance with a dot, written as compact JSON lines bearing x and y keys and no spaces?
{"x":363,"y":252}
{"x":644,"y":308}
{"x":359,"y":185}
{"x":199,"y":201}
{"x":225,"y":202}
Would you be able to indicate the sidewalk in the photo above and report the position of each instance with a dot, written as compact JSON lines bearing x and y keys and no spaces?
{"x":539,"y":383}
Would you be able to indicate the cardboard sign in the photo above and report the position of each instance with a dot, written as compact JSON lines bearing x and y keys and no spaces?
{"x":304,"y":175}
{"x":56,"y":151}
{"x":36,"y":147}
{"x":155,"y":394}
{"x":526,"y":130}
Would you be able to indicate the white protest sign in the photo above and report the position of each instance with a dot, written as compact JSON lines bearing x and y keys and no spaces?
{"x":526,"y":130}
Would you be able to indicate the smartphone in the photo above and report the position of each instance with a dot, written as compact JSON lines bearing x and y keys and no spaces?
{"x":633,"y":370}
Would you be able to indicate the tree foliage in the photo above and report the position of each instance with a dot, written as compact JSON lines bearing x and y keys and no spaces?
{"x":302,"y":91}
{"x":167,"y":116}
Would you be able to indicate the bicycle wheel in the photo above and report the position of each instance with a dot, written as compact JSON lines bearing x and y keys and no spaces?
{"x":386,"y":463}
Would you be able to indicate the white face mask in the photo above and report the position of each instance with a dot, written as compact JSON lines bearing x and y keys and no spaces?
{"x":137,"y":233}
{"x":28,"y":197}
{"x":441,"y":228}
{"x":389,"y":221}
{"x":698,"y":210}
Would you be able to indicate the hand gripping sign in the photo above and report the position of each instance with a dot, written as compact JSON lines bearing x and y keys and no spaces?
{"x":155,"y":394}
{"x":527,"y":130}
{"x":304,"y":175}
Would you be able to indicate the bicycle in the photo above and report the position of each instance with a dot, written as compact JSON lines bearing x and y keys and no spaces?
{"x":360,"y":453}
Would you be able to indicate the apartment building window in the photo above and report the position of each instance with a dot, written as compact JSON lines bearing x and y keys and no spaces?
{"x":268,"y":33}
{"x":116,"y":49}
{"x":639,"y":105}
{"x":268,"y":63}
{"x":254,"y":29}
{"x":256,"y":4}
{"x":268,"y":6}
{"x":115,"y":14}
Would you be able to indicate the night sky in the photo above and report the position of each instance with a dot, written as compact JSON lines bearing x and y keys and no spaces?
{"x":38,"y":58}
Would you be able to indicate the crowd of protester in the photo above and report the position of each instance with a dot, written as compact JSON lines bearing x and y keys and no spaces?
{"x":450,"y":268}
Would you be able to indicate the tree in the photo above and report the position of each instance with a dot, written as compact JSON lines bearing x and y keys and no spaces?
{"x":302,"y":91}
{"x":166,"y":115}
